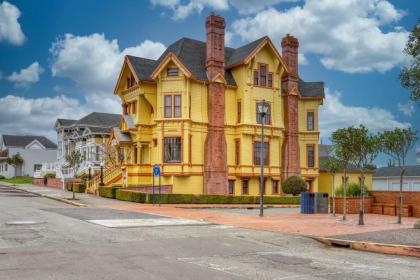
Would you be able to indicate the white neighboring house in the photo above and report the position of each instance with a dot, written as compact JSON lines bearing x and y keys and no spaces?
{"x":388,"y":179}
{"x":34,"y":150}
{"x":88,"y":136}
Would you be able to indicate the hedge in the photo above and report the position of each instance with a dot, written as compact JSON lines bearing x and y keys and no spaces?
{"x":108,"y":192}
{"x":78,"y":188}
{"x":133,"y":196}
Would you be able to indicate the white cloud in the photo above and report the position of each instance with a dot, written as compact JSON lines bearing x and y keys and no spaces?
{"x":347,"y":35}
{"x":27,"y":76}
{"x":93,"y":61}
{"x":406,"y":109}
{"x":182,"y":11}
{"x":38,"y":115}
{"x":252,"y":6}
{"x":10,"y":30}
{"x":334,"y":114}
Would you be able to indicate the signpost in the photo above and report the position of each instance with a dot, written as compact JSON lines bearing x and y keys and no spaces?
{"x":156,"y":172}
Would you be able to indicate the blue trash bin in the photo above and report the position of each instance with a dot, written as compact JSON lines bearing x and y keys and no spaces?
{"x":307,"y":203}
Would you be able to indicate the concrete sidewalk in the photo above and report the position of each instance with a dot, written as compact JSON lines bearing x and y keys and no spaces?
{"x":82,"y":199}
{"x":321,"y":225}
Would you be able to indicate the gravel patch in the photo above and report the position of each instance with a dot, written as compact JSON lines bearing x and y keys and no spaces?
{"x":407,"y":236}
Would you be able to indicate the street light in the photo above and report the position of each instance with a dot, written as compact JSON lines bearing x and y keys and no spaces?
{"x":102,"y":173}
{"x":262,"y":109}
{"x":90,"y":166}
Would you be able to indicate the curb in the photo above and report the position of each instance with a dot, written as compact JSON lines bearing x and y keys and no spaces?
{"x":392,"y":249}
{"x":54,"y":198}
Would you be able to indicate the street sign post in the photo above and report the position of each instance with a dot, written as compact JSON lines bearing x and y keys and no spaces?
{"x":156,"y":172}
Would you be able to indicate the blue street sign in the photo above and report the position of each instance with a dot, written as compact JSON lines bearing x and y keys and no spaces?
{"x":156,"y":170}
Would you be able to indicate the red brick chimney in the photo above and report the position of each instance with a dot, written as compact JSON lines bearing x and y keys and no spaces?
{"x":291,"y":158}
{"x":215,"y":150}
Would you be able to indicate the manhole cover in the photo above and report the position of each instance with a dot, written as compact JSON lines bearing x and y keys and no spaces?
{"x":21,"y":223}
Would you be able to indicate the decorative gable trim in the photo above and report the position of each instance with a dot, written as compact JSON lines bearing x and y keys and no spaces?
{"x":265,"y":42}
{"x":35,"y":142}
{"x":171,"y":57}
{"x":126,"y":63}
{"x":219,"y":79}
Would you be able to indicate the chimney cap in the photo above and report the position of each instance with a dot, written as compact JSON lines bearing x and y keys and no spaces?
{"x":289,"y":41}
{"x":215,"y":20}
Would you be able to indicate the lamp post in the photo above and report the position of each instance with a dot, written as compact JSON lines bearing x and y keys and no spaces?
{"x":89,"y":177}
{"x":262,"y":110}
{"x":102,"y":173}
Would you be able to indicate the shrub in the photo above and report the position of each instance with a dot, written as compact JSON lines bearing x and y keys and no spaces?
{"x":69,"y":185}
{"x":48,"y":175}
{"x":108,"y":192}
{"x":352,"y":190}
{"x":220,"y":199}
{"x":2,"y":177}
{"x":79,"y":188}
{"x":82,"y":176}
{"x":294,"y":185}
{"x":133,"y":196}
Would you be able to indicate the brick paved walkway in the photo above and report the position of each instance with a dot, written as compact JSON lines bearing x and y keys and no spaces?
{"x":313,"y":225}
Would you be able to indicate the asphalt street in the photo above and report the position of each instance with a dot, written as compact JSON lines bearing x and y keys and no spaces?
{"x":47,"y":239}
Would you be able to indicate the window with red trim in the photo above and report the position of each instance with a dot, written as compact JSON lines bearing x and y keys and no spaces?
{"x":255,"y":78}
{"x":270,"y":80}
{"x":168,"y":106}
{"x":177,"y":106}
{"x":310,"y":151}
{"x":263,"y":75}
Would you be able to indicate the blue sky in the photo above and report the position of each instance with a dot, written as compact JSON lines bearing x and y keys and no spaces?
{"x":61,"y":58}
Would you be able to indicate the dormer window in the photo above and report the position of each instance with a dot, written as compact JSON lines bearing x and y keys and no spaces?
{"x":262,"y":77}
{"x":172,"y":71}
{"x":131,"y":81}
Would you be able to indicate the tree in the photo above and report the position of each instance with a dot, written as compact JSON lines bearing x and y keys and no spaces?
{"x":333,"y":166}
{"x":366,"y":148}
{"x":294,"y":185}
{"x":410,"y":75}
{"x":342,"y":141}
{"x":74,"y":160}
{"x":16,"y":160}
{"x":396,"y":144}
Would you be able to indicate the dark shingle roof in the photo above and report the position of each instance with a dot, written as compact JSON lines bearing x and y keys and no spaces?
{"x":96,"y":119}
{"x":24,"y":140}
{"x":192,"y":54}
{"x":311,"y":89}
{"x":325,"y":150}
{"x":238,"y":55}
{"x":100,"y":130}
{"x":143,"y":67}
{"x":410,"y":170}
{"x":66,"y":122}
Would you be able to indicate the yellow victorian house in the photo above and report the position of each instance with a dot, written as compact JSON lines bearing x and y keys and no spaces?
{"x":193,"y":111}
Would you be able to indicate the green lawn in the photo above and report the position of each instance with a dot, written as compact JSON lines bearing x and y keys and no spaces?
{"x":18,"y":180}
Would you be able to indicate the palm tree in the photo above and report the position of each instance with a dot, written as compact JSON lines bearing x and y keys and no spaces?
{"x":15,"y":161}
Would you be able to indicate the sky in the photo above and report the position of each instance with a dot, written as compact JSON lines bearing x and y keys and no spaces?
{"x":61,"y":59}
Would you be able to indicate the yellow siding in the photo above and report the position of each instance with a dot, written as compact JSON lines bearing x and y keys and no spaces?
{"x":325,"y":180}
{"x":187,"y":176}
